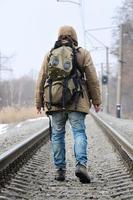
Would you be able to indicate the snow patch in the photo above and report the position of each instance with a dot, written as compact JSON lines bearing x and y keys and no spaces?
{"x":20,"y":124}
{"x":3,"y":128}
{"x":36,"y":119}
{"x":31,"y":120}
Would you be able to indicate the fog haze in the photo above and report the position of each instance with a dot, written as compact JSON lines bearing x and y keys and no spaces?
{"x":28,"y":28}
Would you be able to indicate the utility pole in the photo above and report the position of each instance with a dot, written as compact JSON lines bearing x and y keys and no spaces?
{"x":105,"y":77}
{"x":107,"y":85}
{"x":120,"y":66}
{"x":0,"y":65}
{"x":102,"y":91}
{"x":82,"y":9}
{"x":3,"y":68}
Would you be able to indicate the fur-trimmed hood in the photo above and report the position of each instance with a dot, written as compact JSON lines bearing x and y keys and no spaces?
{"x":68,"y":30}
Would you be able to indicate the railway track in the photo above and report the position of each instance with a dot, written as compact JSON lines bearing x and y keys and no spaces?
{"x":122,"y":145}
{"x":26,"y":171}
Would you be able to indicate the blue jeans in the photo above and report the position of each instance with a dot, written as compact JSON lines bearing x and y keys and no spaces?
{"x":77,"y":121}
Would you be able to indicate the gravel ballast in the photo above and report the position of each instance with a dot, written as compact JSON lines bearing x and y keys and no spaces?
{"x":18,"y":132}
{"x":122,"y":126}
{"x":109,"y":177}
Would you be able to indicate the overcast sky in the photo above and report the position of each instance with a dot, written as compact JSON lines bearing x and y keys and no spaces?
{"x":29,"y":28}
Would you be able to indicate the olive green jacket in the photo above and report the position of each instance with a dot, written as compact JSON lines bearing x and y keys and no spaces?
{"x":91,"y":90}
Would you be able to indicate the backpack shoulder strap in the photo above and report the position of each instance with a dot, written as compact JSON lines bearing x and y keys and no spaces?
{"x":57,"y":44}
{"x":78,"y":60}
{"x":49,"y":55}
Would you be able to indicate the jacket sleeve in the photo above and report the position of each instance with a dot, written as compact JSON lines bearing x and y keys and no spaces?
{"x":39,"y":91}
{"x":92,"y":81}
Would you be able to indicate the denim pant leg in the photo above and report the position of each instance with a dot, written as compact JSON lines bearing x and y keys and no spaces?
{"x":58,"y":139}
{"x":77,"y":121}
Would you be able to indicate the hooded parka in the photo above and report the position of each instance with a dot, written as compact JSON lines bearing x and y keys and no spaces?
{"x":91,"y":88}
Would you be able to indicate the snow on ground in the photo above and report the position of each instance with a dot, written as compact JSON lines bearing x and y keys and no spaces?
{"x":31,"y":120}
{"x":35,"y":119}
{"x":3,"y":128}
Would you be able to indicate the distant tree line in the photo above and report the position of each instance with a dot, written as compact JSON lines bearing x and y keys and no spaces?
{"x":17,"y":92}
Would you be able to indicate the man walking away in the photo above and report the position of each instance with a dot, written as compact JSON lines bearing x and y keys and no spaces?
{"x":69,"y":85}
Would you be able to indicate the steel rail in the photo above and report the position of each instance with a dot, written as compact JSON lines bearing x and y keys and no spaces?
{"x":122,"y":145}
{"x":11,"y":155}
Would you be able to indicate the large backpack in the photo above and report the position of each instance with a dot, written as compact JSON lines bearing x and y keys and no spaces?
{"x":63,"y":84}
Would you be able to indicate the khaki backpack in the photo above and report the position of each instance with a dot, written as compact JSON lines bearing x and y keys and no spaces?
{"x":63,"y":84}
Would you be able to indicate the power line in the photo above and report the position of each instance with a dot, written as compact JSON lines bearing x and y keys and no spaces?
{"x":96,"y":39}
{"x":69,"y":1}
{"x":107,"y":70}
{"x":89,"y":40}
{"x":101,"y":28}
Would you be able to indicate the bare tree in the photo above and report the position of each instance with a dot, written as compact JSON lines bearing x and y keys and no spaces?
{"x":18,"y":92}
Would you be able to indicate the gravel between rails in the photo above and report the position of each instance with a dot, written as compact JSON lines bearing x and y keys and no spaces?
{"x":105,"y":168}
{"x":123,"y":126}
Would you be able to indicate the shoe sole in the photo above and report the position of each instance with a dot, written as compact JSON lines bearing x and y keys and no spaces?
{"x":82,"y":177}
{"x":60,"y":179}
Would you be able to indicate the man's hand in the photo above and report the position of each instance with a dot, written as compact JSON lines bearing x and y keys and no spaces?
{"x":97,"y":108}
{"x":38,"y":110}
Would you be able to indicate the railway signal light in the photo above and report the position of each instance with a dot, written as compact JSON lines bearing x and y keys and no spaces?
{"x":104,"y":79}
